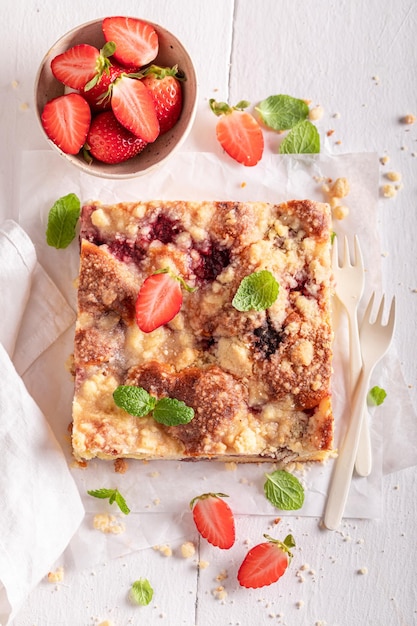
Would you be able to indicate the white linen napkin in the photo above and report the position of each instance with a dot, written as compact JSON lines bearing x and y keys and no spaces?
{"x":40,"y":504}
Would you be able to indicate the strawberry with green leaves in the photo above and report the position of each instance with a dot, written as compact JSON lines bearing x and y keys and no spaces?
{"x":238,"y":132}
{"x":266,"y":562}
{"x":98,"y":93}
{"x":164,"y":83}
{"x":159,"y":299}
{"x":214,"y":519}
{"x":66,"y":121}
{"x":110,"y":142}
{"x":136,"y":40}
{"x":81,"y":65}
{"x":133,"y":106}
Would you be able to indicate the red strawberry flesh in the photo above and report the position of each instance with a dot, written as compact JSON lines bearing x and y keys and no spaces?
{"x":263,"y":565}
{"x":214,"y":520}
{"x":241,"y":137}
{"x":136,"y":40}
{"x":66,"y":120}
{"x":76,"y":66}
{"x":166,"y":91}
{"x":133,"y":106}
{"x":159,"y":300}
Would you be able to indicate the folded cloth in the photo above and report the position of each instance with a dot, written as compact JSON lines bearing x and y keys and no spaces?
{"x":40,"y":503}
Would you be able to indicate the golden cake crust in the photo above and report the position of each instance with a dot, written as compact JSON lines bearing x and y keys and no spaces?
{"x":258,"y":381}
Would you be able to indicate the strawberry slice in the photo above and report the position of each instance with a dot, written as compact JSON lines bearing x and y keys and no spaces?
{"x":266,"y":562}
{"x":238,"y":132}
{"x":77,"y":66}
{"x":159,"y":300}
{"x":214,"y":519}
{"x":110,"y":142}
{"x":136,"y":41}
{"x":133,"y":106}
{"x":66,"y":120}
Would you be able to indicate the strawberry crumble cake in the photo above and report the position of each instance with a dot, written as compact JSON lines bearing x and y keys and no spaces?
{"x":258,"y":380}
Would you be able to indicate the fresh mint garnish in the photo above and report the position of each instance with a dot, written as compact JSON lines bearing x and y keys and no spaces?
{"x":135,"y":400}
{"x":282,"y":112}
{"x":138,"y":402}
{"x":284,"y":490}
{"x":256,"y":292}
{"x":141,"y":591}
{"x":62,"y":221}
{"x":303,"y":138}
{"x":376,"y":396}
{"x":112,"y":495}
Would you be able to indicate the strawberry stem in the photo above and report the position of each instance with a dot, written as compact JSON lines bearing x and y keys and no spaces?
{"x":285,"y":545}
{"x":204,"y":496}
{"x":222,"y":108}
{"x":180,"y":279}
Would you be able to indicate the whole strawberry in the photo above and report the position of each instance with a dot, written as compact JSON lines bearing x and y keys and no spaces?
{"x":110,"y":142}
{"x":164,"y":83}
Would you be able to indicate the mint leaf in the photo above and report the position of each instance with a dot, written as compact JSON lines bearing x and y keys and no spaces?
{"x":304,"y":138}
{"x":376,"y":396}
{"x":282,"y":112}
{"x":284,"y":490}
{"x":256,"y":292}
{"x":134,"y":400}
{"x":172,"y":412}
{"x":113,"y":495}
{"x":141,"y":591}
{"x":62,"y":221}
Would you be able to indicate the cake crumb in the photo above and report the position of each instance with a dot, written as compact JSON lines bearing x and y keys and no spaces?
{"x":108,"y":524}
{"x":187,"y":550}
{"x":203,"y":564}
{"x":220,"y":593}
{"x":389,"y":191}
{"x":384,"y":159}
{"x":340,"y":188}
{"x":363,"y":571}
{"x":57,"y":576}
{"x":408,"y":119}
{"x":121,"y":466}
{"x":316,"y":113}
{"x":231,"y":466}
{"x":299,"y":604}
{"x":221,"y":576}
{"x":394,"y":176}
{"x":340,"y":212}
{"x":106,"y":623}
{"x":243,"y":184}
{"x":165,"y":549}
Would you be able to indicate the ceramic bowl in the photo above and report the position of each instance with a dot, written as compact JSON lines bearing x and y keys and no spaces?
{"x":171,"y":52}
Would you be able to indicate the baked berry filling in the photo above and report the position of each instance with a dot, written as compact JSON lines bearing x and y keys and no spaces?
{"x":267,"y":338}
{"x":212,"y":261}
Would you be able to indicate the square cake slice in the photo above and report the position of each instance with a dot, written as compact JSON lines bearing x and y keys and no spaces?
{"x":259,"y":381}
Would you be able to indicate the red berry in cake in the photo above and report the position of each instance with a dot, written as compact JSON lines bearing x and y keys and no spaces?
{"x":159,"y":300}
{"x":133,"y":106}
{"x":214,"y":519}
{"x":136,"y":41}
{"x":164,"y":83}
{"x":80,"y":64}
{"x":66,"y":121}
{"x":238,"y":132}
{"x":110,"y":142}
{"x":265,"y":563}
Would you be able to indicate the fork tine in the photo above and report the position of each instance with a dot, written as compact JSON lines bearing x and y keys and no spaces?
{"x":346,"y":255}
{"x":335,"y":253}
{"x":358,"y":252}
{"x":391,"y":316}
{"x":367,"y":315}
{"x":380,"y":312}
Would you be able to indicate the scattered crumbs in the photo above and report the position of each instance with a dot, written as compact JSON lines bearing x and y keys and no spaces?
{"x":347,"y":538}
{"x":413,"y":154}
{"x":106,"y":623}
{"x":299,"y":604}
{"x":320,"y":623}
{"x":340,"y":211}
{"x":304,"y":567}
{"x":363,"y":571}
{"x":389,"y":191}
{"x":121,"y":466}
{"x":360,"y":541}
{"x":394,"y":176}
{"x":384,"y":254}
{"x":316,"y":113}
{"x":57,"y":576}
{"x":78,"y":464}
{"x":337,"y":116}
{"x":330,"y":132}
{"x":220,"y":593}
{"x":24,"y":106}
{"x":276,"y":521}
{"x":384,"y":159}
{"x":108,"y":524}
{"x":375,"y":79}
{"x":404,"y":148}
{"x":243,"y":184}
{"x":408,"y":119}
{"x":222,"y":575}
{"x":340,"y":188}
{"x":154,"y":474}
{"x":396,"y":487}
{"x":299,"y":576}
{"x":187,"y":549}
{"x":15,"y":84}
{"x":165,"y":549}
{"x":231,"y":466}
{"x":203,"y":564}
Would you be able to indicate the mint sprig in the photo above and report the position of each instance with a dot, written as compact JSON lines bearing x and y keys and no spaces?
{"x":303,"y":138}
{"x":113,"y":495}
{"x":282,"y":112}
{"x":284,"y":490}
{"x":256,"y":292}
{"x":376,"y":396}
{"x":138,"y":402}
{"x":141,"y":591}
{"x":62,"y":221}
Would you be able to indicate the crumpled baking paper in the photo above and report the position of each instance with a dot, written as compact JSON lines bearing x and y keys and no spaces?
{"x":158,"y":493}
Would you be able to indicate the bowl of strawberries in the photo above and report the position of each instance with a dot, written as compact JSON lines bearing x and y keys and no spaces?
{"x":116,"y":96}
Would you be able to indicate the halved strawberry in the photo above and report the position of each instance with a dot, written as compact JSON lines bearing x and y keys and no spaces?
{"x":136,"y":41}
{"x":159,"y":300}
{"x":266,"y":562}
{"x":133,"y":106}
{"x":214,"y":519}
{"x":110,"y":142}
{"x":98,"y":95}
{"x":66,"y":120}
{"x":238,"y":132}
{"x":80,"y":64}
{"x":165,"y":87}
